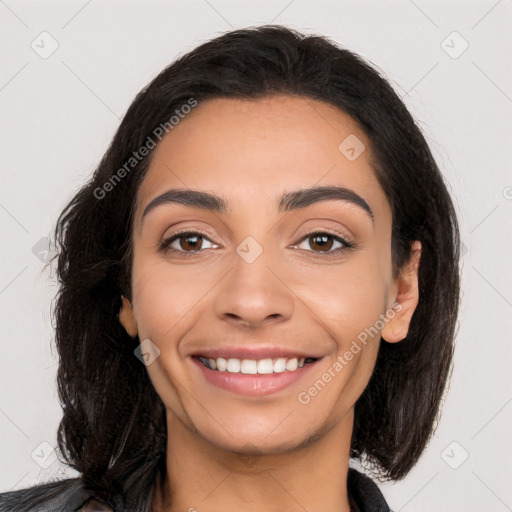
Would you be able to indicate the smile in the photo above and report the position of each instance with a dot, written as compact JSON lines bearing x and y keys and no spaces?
{"x":255,"y":366}
{"x":253,"y":376}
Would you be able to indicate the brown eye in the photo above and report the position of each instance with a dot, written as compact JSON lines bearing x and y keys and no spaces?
{"x":185,"y":243}
{"x":321,"y":242}
{"x":190,"y":242}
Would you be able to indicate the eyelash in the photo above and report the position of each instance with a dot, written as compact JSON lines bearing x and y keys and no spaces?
{"x":165,"y":243}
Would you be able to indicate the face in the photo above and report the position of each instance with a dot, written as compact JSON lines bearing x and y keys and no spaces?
{"x":280,"y":293}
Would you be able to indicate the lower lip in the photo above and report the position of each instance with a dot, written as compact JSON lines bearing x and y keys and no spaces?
{"x":253,"y":385}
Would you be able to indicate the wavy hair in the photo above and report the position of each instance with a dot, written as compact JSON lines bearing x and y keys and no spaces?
{"x":113,"y":429}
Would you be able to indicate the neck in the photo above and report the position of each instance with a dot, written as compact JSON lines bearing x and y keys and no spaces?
{"x":201,"y":477}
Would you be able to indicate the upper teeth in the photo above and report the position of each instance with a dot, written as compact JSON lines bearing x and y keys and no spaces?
{"x":254,"y":366}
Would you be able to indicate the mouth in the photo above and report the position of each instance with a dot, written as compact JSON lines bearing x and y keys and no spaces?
{"x":255,"y":372}
{"x":265,"y":366}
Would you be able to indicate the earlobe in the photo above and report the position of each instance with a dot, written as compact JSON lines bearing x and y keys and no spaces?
{"x":407,"y":298}
{"x":126,"y":317}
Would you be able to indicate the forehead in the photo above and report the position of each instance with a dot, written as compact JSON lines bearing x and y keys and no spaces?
{"x":250,"y":151}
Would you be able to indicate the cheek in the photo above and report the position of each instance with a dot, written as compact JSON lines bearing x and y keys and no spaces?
{"x":347,"y":301}
{"x":164,"y":296}
{"x":152,"y":296}
{"x":344,"y":298}
{"x":162,"y":299}
{"x":348,"y":305}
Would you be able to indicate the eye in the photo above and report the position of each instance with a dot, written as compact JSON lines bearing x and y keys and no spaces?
{"x":323,"y":242}
{"x":190,"y":243}
{"x":186,"y":243}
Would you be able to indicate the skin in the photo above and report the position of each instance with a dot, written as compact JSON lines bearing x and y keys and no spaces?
{"x":228,"y":451}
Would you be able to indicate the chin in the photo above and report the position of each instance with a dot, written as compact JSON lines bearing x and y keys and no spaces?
{"x":253,"y":438}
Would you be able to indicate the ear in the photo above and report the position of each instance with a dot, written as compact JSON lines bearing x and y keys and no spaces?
{"x":126,"y":317}
{"x":406,"y":300}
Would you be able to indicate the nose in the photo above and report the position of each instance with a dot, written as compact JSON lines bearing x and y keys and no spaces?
{"x":254,"y":294}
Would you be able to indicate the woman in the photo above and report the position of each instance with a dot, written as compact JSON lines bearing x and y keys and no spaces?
{"x":259,"y":283}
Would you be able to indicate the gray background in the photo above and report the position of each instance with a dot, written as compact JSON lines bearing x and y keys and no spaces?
{"x":59,"y":113}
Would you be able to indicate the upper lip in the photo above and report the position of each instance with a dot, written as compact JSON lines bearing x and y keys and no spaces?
{"x":252,"y":352}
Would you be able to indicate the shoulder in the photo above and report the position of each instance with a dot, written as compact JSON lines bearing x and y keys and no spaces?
{"x":365,"y":493}
{"x":67,"y":495}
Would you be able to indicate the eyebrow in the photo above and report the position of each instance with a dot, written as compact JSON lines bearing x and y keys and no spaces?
{"x":288,"y":201}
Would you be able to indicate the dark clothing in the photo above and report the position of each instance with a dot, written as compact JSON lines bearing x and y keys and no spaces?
{"x":70,"y":496}
{"x":363,"y":494}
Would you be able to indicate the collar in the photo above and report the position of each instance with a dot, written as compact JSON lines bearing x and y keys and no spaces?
{"x":363,"y":493}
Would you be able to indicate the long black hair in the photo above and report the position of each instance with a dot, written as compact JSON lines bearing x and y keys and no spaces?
{"x":113,"y":430}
